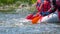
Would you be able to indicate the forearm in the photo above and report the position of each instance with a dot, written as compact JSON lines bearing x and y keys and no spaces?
{"x":40,"y":8}
{"x":52,"y":10}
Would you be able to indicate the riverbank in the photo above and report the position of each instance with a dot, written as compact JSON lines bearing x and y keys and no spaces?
{"x":10,"y":8}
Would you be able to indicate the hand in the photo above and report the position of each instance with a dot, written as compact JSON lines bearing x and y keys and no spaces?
{"x":45,"y":13}
{"x":42,"y":13}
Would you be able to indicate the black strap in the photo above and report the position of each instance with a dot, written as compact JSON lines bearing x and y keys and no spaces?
{"x":54,"y":3}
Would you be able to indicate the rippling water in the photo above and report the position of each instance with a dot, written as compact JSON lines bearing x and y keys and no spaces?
{"x":16,"y":24}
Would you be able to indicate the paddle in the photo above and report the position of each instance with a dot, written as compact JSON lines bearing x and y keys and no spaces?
{"x":35,"y":20}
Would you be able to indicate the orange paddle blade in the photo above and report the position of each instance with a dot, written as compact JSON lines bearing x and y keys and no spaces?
{"x":34,"y":21}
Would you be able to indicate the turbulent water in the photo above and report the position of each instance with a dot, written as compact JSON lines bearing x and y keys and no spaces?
{"x":17,"y":24}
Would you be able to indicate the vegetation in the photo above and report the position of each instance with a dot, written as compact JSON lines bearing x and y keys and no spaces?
{"x":8,"y":2}
{"x":9,"y":5}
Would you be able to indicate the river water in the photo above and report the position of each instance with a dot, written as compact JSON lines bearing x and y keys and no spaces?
{"x":16,"y":24}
